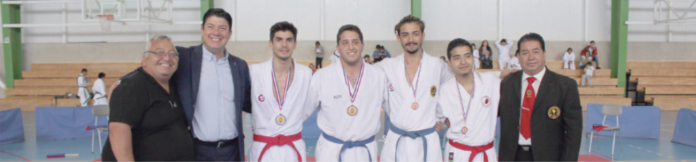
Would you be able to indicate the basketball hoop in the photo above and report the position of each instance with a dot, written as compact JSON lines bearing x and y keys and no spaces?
{"x":105,"y":21}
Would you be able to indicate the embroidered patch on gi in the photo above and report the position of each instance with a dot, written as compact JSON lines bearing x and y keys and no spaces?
{"x":485,"y":101}
{"x":261,"y":98}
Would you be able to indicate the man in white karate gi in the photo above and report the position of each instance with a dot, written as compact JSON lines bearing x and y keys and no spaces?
{"x":414,"y":80}
{"x":99,"y":90}
{"x":470,"y":102}
{"x":504,"y":47}
{"x":82,"y":91}
{"x":349,"y":95}
{"x":278,"y":96}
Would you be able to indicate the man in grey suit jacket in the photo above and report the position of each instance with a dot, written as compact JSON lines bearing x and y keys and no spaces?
{"x":538,"y":127}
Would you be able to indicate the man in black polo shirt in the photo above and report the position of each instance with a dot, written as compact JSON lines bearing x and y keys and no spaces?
{"x":146,"y":121}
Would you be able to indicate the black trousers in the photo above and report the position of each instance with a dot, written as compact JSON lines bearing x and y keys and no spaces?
{"x":226,"y":152}
{"x":523,"y":155}
{"x":318,"y":64}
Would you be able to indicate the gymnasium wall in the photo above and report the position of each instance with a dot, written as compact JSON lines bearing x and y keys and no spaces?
{"x":563,"y":23}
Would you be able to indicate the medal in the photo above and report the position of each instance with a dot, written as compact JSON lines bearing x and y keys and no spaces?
{"x":352,"y":109}
{"x":414,"y":106}
{"x":280,"y":119}
{"x":466,"y":113}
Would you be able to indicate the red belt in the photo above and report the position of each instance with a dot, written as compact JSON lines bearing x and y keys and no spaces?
{"x":279,"y":140}
{"x":474,"y":149}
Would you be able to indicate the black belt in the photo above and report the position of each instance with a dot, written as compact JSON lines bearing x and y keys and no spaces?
{"x":218,"y":144}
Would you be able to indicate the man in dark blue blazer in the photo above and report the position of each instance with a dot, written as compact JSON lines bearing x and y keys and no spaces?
{"x":214,"y":88}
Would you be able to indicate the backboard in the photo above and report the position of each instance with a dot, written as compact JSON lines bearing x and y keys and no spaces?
{"x":123,"y":10}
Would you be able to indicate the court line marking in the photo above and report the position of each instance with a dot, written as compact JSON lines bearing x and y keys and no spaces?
{"x":25,"y":159}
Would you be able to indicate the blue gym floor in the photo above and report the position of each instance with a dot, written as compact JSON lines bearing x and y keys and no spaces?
{"x":633,"y":149}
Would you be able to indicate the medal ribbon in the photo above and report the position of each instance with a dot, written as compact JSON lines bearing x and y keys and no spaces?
{"x":279,"y":99}
{"x":354,"y":93}
{"x":414,"y":89}
{"x":473,"y":89}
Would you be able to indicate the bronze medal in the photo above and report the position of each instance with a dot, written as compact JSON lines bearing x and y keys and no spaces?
{"x":280,"y":119}
{"x":352,"y":110}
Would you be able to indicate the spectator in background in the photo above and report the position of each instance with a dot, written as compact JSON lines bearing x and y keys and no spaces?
{"x":366,"y":58}
{"x":569,"y":59}
{"x":311,"y":66}
{"x":443,"y":58}
{"x":381,"y":53}
{"x":593,"y":50}
{"x":514,"y":63}
{"x":588,"y":74}
{"x":319,"y":50}
{"x":475,"y":51}
{"x":586,"y":58}
{"x":504,"y":47}
{"x":486,"y":61}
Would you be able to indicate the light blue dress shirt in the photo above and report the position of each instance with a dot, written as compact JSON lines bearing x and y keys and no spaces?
{"x":214,"y":111}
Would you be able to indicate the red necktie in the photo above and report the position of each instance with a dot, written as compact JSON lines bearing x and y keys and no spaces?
{"x":527,"y":106}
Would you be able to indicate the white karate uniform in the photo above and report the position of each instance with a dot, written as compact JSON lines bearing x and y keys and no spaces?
{"x":328,"y":92}
{"x":266,"y":108}
{"x":514,"y":63}
{"x":482,"y":117}
{"x":335,"y":58}
{"x":433,"y":72}
{"x":99,"y":92}
{"x":82,"y":92}
{"x":569,"y":58}
{"x":477,"y":62}
{"x":504,"y":52}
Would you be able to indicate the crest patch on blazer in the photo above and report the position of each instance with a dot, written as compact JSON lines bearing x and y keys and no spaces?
{"x":554,"y":112}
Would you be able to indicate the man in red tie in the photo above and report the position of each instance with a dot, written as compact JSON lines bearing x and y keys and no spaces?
{"x":540,"y":111}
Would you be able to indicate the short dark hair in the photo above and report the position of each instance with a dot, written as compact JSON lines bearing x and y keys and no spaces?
{"x":378,"y":46}
{"x":218,"y":12}
{"x":569,"y":49}
{"x":348,"y":27}
{"x":457,"y":43}
{"x":503,"y":40}
{"x":101,"y":75}
{"x":366,"y":56}
{"x":317,"y":43}
{"x":589,"y":63}
{"x":532,"y":37}
{"x":409,"y":19}
{"x":591,"y":41}
{"x":284,"y":26}
{"x":84,"y":70}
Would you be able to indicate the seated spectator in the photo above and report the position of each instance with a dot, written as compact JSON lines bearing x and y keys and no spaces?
{"x":569,"y":59}
{"x":443,"y":58}
{"x":514,"y":62}
{"x":589,"y":69}
{"x":366,"y":58}
{"x":586,"y":58}
{"x":311,"y":66}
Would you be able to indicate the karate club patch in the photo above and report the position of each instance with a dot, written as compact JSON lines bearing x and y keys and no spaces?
{"x":261,"y":98}
{"x":554,"y":112}
{"x":485,"y":101}
{"x":433,"y":91}
{"x":391,"y":88}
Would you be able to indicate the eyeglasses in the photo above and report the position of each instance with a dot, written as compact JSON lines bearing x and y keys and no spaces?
{"x":175,"y":54}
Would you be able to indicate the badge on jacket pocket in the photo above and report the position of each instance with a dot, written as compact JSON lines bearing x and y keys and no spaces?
{"x":554,"y":112}
{"x":433,"y":91}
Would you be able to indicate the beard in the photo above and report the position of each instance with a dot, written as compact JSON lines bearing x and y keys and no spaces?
{"x":411,"y":51}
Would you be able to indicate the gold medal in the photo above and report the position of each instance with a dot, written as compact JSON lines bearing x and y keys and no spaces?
{"x":464,"y":130}
{"x":352,"y":110}
{"x":280,"y":119}
{"x":414,"y":106}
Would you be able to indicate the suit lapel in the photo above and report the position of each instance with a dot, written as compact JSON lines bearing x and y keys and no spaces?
{"x":196,"y":63}
{"x":517,"y":77}
{"x":544,"y":89}
{"x":237,"y":81}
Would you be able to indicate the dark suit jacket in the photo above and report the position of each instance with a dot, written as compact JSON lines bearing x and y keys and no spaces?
{"x":552,"y":139}
{"x":188,"y":76}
